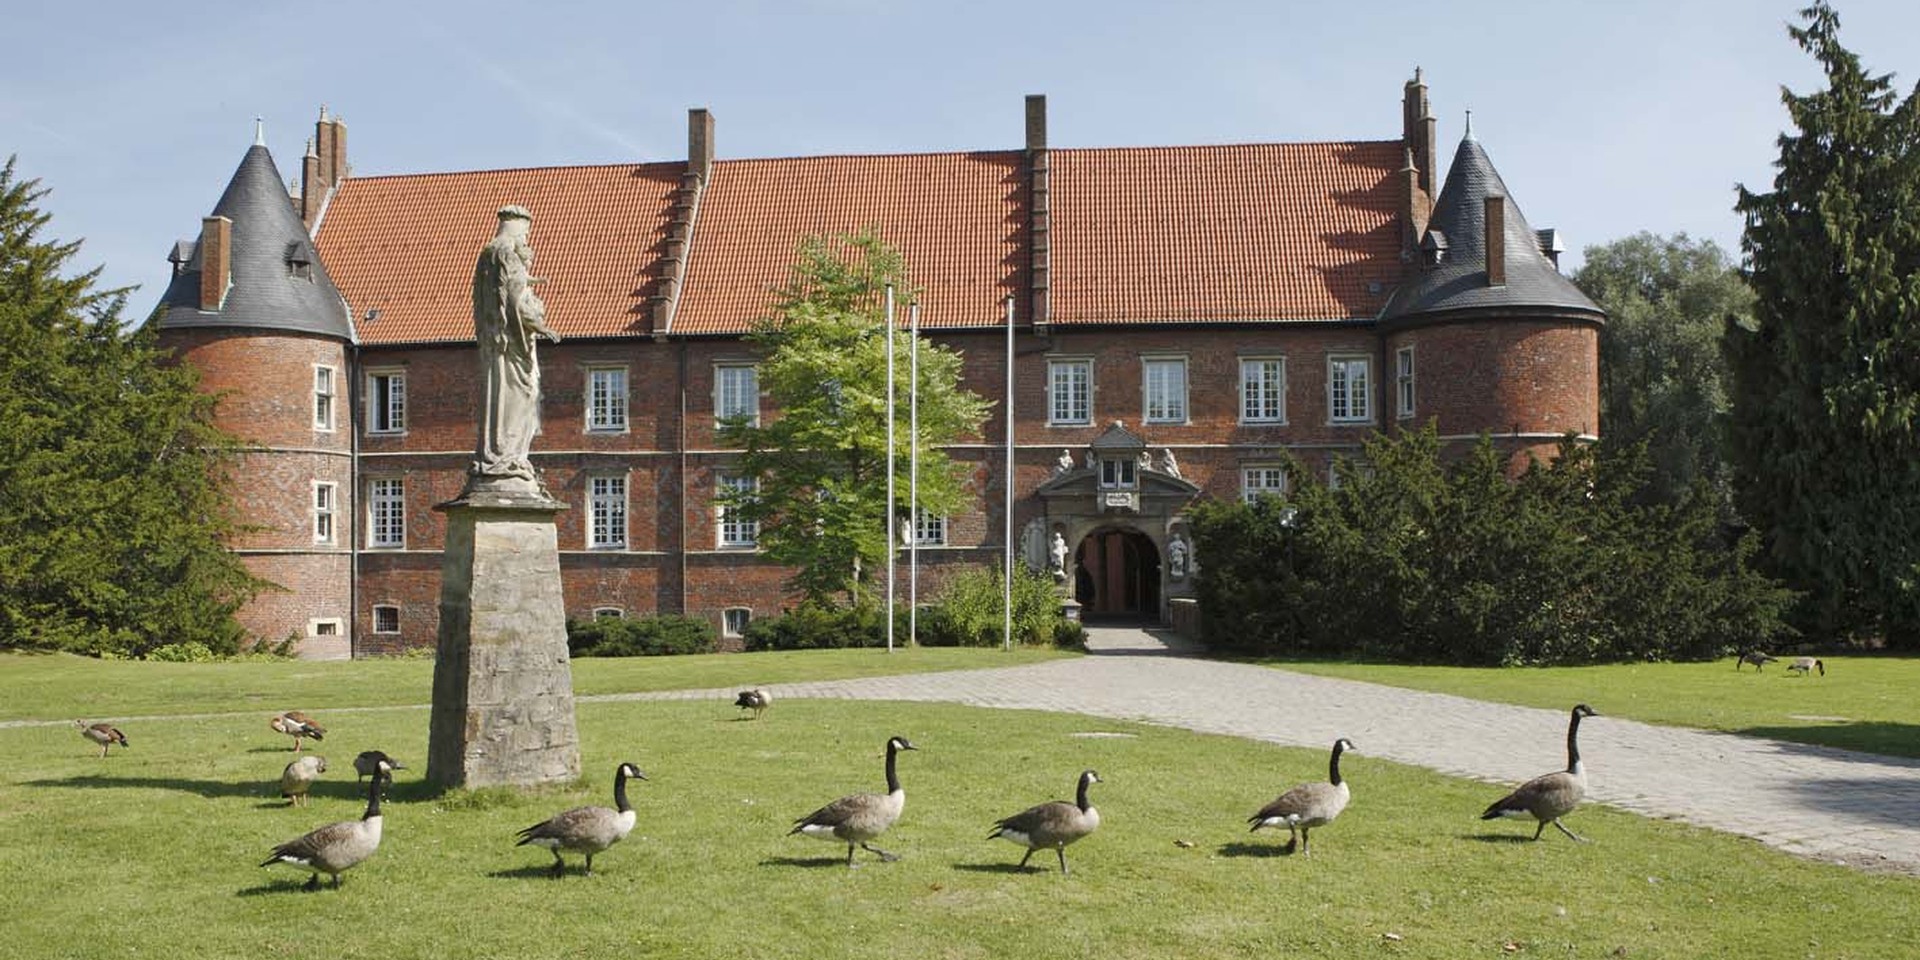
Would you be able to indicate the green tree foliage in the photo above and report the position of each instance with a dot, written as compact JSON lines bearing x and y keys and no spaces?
{"x":822,"y":458}
{"x":1826,"y":381}
{"x":111,"y":515}
{"x":1423,"y":559}
{"x":1662,"y":375}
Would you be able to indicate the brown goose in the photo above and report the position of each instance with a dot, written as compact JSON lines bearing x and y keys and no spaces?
{"x":1053,"y":824}
{"x":297,"y":725}
{"x":587,"y":830}
{"x":336,"y":847}
{"x":1806,"y":665}
{"x":104,"y":734}
{"x":1308,"y":805}
{"x":757,"y":700}
{"x":857,"y":819}
{"x":299,"y":776}
{"x":1755,"y":657}
{"x":1551,"y":796}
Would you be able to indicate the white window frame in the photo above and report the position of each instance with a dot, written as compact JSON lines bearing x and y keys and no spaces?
{"x":1403,"y":378}
{"x":929,"y":528}
{"x":1057,"y":368}
{"x":733,"y":399}
{"x":1255,"y":477}
{"x":1119,"y":473}
{"x":727,"y":628}
{"x":1163,"y":401}
{"x":1345,"y":403}
{"x":389,"y":417}
{"x":1248,"y":384}
{"x":731,"y":534}
{"x":607,"y":511}
{"x":386,"y":531}
{"x":326,"y":511}
{"x":609,"y":613}
{"x":606,"y":409}
{"x":377,"y":609}
{"x":338,"y":627}
{"x":326,"y":397}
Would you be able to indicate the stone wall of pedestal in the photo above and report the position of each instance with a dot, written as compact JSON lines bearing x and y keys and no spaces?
{"x":502,"y":685}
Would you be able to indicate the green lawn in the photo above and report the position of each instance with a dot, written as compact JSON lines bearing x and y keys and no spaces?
{"x":1863,"y":703}
{"x":61,"y":686}
{"x":152,"y":852}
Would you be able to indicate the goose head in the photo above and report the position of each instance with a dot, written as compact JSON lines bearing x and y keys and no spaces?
{"x":900,"y":743}
{"x":629,"y":770}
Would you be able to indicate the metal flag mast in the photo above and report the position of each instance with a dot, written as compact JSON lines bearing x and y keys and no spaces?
{"x":913,"y":474}
{"x":890,"y":518}
{"x":1006,"y":575}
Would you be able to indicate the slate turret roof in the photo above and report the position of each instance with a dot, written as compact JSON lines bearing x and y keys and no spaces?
{"x":1456,"y":232}
{"x":265,"y":291}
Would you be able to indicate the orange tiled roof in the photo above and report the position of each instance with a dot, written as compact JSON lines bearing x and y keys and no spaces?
{"x":1279,"y":231}
{"x":406,"y":246}
{"x":958,"y":219}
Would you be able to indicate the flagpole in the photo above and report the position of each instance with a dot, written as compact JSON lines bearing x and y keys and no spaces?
{"x":913,"y":475}
{"x":890,"y":517}
{"x":1006,"y":576}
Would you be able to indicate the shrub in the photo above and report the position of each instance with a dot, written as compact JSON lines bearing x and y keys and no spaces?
{"x":639,"y":637}
{"x":191,"y":651}
{"x":968,"y":611}
{"x":813,"y":626}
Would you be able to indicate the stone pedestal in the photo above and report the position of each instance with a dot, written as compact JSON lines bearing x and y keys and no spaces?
{"x":502,"y":686}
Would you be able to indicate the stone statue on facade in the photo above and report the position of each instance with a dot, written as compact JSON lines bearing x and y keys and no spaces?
{"x":1059,"y":552}
{"x":1177,"y":558}
{"x":508,"y":317}
{"x":1064,"y":465}
{"x":1168,"y":465}
{"x":1146,"y":461}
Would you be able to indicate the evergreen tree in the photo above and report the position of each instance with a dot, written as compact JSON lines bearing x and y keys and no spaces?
{"x":111,"y":515}
{"x":821,"y":460}
{"x":1826,"y":382}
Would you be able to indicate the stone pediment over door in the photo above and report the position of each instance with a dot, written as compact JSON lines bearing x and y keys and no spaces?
{"x":1116,"y":475}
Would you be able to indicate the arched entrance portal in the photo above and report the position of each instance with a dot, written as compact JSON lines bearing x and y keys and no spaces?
{"x":1118,"y":575}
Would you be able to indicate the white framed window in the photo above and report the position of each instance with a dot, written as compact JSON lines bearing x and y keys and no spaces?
{"x":1263,"y":390}
{"x":609,"y":613}
{"x":1259,"y":479}
{"x":325,"y":391}
{"x":386,"y":618}
{"x":1121,"y":474}
{"x":735,"y":531}
{"x":386,"y":401}
{"x":606,"y":512}
{"x":1164,"y":385}
{"x":606,"y":399}
{"x":734,"y":620}
{"x":386,"y":512}
{"x":1349,"y":382}
{"x":324,"y":627}
{"x":1403,"y":382}
{"x":736,"y":392}
{"x":1069,"y":392}
{"x":929,"y":529}
{"x":326,"y":503}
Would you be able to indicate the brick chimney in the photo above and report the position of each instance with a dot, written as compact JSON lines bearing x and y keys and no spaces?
{"x":216,"y":260}
{"x":700,"y":142}
{"x":681,"y":220}
{"x":310,"y":194}
{"x":1040,"y":218}
{"x":1496,"y":241}
{"x":324,"y":166}
{"x":1416,"y":131}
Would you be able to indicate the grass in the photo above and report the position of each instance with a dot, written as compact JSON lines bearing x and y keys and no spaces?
{"x":1863,"y":703}
{"x":62,"y":686}
{"x":152,"y":852}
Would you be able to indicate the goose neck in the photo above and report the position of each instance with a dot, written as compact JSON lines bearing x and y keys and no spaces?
{"x":373,"y":798}
{"x":1333,"y":764}
{"x":620,"y":792}
{"x":1080,"y":796}
{"x":893,"y":776}
{"x":1573,"y":744}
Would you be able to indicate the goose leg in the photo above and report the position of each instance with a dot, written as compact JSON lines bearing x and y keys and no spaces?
{"x":589,"y":872}
{"x":559,"y":865}
{"x":1062,"y":851}
{"x":313,"y":883}
{"x":1306,"y":842}
{"x":1023,"y":860}
{"x":336,"y":881}
{"x":850,"y":864}
{"x":1563,"y":829}
{"x":1293,"y":839}
{"x":1543,"y":829}
{"x":884,"y":856}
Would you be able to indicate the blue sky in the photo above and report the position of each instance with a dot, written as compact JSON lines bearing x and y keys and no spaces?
{"x":1604,"y":118}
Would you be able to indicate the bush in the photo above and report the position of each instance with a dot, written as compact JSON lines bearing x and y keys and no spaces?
{"x":813,"y":626}
{"x":639,"y":637}
{"x":192,"y":651}
{"x":968,"y":610}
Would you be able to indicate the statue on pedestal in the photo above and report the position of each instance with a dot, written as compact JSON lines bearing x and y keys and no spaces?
{"x":1059,"y":552}
{"x":1168,"y":465}
{"x":507,"y":318}
{"x":1064,"y":465}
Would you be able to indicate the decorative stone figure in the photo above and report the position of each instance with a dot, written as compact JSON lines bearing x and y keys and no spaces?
{"x":1065,"y":464}
{"x":1168,"y":465}
{"x":1059,"y":552}
{"x":1146,"y":461}
{"x":507,"y":317}
{"x":1091,"y":463}
{"x":1177,"y":558}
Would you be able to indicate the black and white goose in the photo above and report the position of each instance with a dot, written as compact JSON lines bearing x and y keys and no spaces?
{"x":757,"y":700}
{"x":336,"y":847}
{"x":1549,"y":797}
{"x":587,"y":830}
{"x":857,"y":819}
{"x":1806,"y":665}
{"x":1052,"y":825}
{"x":299,"y":726}
{"x":299,"y":776}
{"x":1308,"y":805}
{"x":104,"y":734}
{"x":369,"y":760}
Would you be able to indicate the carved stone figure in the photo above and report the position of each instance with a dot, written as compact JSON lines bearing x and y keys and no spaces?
{"x":1177,"y":558}
{"x":1168,"y":465}
{"x":1059,"y":552}
{"x":1146,"y":461}
{"x":507,"y":318}
{"x":1091,"y":463}
{"x":1064,"y":464}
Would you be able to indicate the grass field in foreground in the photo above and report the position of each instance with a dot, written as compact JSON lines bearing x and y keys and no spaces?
{"x":61,"y":686}
{"x":1863,"y":703}
{"x":152,"y":852}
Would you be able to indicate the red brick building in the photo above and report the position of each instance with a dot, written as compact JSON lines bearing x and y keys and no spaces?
{"x":1182,"y":315}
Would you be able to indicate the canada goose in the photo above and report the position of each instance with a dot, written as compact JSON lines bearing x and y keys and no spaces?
{"x":587,"y":830}
{"x":1055,"y":823}
{"x":297,"y":725}
{"x":757,"y":700}
{"x":860,"y":817}
{"x":1551,"y":796}
{"x":369,"y":760}
{"x":1308,"y":805}
{"x":336,"y":847}
{"x":299,"y":776}
{"x":1806,"y":665}
{"x":1755,"y":657}
{"x":106,"y":735}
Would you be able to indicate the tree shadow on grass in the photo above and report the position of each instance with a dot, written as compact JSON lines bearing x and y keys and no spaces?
{"x":204,"y":788}
{"x":1892,"y":744}
{"x":1241,"y":848}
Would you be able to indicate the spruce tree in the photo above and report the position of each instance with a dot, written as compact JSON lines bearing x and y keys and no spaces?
{"x":1826,"y":381}
{"x":111,"y":515}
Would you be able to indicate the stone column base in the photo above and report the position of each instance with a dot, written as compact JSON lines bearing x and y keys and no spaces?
{"x":502,"y":685}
